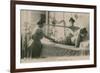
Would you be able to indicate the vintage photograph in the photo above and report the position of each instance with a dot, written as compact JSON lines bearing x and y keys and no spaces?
{"x":54,"y":35}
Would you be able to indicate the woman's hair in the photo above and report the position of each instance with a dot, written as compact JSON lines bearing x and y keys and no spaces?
{"x":71,"y":20}
{"x":42,"y":19}
{"x":83,"y":31}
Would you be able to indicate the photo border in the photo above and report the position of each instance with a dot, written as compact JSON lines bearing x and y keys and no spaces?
{"x":13,"y":35}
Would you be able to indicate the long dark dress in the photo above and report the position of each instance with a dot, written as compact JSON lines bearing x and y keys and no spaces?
{"x":36,"y":46}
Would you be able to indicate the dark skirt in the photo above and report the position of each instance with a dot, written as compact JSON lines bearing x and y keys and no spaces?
{"x":36,"y":49}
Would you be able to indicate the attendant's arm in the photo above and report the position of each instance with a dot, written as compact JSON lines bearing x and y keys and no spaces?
{"x":51,"y":39}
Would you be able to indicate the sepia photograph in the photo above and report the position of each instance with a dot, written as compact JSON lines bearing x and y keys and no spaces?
{"x":52,"y":36}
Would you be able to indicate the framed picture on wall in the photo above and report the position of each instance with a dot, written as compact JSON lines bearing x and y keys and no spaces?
{"x":52,"y":36}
